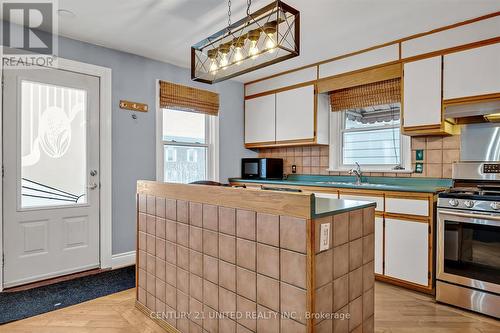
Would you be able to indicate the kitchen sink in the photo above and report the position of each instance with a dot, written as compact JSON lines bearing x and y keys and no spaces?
{"x":353,"y":184}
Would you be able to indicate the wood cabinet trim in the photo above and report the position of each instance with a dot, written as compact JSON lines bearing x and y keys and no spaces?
{"x":400,"y":41}
{"x":429,"y":289}
{"x":289,"y":203}
{"x":407,"y":217}
{"x":471,"y":99}
{"x":273,"y":144}
{"x":359,"y":77}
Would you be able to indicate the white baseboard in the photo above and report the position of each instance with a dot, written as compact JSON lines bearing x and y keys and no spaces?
{"x":122,"y":259}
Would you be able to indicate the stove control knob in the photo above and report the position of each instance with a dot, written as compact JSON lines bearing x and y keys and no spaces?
{"x":469,"y":203}
{"x":453,"y":202}
{"x":495,"y":205}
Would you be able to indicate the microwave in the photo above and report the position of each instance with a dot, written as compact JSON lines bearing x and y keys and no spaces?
{"x":262,"y":168}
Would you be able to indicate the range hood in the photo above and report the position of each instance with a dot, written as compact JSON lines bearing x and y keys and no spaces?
{"x":485,"y":110}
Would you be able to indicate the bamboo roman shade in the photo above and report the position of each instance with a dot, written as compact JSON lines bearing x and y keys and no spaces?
{"x":184,"y":98}
{"x":377,"y":93}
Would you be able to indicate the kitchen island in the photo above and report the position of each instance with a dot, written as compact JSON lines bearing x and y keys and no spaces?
{"x":223,"y":259}
{"x":404,"y":219}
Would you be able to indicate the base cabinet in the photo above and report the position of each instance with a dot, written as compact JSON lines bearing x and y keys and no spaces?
{"x":407,"y":250}
{"x":379,"y":245}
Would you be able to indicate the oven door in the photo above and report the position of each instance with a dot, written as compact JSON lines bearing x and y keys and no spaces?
{"x":469,"y":249}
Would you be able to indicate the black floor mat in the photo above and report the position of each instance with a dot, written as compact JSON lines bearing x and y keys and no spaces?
{"x":23,"y":304}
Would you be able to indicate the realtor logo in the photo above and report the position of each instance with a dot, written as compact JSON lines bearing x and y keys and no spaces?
{"x":29,"y":32}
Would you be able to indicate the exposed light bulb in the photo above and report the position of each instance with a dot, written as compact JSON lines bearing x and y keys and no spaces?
{"x":270,"y":29}
{"x":213,"y":66}
{"x":224,"y":51}
{"x":254,"y":50}
{"x":212,"y":55}
{"x":270,"y":44}
{"x":238,"y":55}
{"x":223,"y":61}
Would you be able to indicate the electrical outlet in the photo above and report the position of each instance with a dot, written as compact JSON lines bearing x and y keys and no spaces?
{"x":419,"y":155}
{"x":419,"y":167}
{"x":324,"y":238}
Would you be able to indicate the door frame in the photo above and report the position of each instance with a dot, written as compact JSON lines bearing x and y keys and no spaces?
{"x":105,"y":155}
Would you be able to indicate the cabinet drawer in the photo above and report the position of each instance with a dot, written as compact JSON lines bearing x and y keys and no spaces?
{"x":418,"y":207}
{"x":378,"y":200}
{"x":326,"y":195}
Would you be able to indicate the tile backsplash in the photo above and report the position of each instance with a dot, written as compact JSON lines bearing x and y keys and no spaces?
{"x":439,"y":154}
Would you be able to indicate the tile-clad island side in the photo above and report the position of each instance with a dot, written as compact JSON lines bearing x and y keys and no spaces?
{"x":222,"y":259}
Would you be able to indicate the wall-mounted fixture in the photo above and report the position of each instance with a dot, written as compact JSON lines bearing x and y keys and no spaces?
{"x":133,"y":106}
{"x":264,"y":37}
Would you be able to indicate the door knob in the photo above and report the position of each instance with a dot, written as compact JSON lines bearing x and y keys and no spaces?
{"x":93,"y":173}
{"x":92,"y":186}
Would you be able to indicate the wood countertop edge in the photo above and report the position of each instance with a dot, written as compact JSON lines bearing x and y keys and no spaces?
{"x":301,"y":205}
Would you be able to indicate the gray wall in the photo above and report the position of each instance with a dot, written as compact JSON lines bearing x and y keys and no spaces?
{"x":133,"y":141}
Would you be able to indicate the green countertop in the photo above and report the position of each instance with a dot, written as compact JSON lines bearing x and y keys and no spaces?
{"x":424,"y":185}
{"x":329,"y":206}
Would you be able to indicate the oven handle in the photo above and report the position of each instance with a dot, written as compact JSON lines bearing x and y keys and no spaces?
{"x":471,"y":215}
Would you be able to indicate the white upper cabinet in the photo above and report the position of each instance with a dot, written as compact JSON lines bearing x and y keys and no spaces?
{"x":295,"y":114}
{"x":260,"y":119}
{"x":472,"y":72}
{"x":422,"y":92}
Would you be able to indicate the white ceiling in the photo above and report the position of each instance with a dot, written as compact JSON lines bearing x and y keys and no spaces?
{"x":165,"y":29}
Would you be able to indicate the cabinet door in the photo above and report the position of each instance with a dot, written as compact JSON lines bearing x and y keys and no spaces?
{"x":422,"y":92}
{"x":260,"y":119}
{"x":472,"y":73}
{"x":295,"y":114}
{"x":407,"y":250}
{"x":379,"y":245}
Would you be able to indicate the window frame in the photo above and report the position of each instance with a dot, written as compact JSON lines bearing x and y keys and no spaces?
{"x":211,"y":143}
{"x":337,"y":142}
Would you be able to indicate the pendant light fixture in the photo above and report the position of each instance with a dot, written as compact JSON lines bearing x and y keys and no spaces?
{"x":262,"y":38}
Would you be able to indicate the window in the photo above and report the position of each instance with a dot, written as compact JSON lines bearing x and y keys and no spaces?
{"x":188,"y":146}
{"x":371,"y":137}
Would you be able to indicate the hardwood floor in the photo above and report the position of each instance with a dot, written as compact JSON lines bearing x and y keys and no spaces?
{"x":396,"y":310}
{"x":404,"y":311}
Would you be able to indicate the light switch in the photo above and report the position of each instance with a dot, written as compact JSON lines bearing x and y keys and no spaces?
{"x":324,"y":238}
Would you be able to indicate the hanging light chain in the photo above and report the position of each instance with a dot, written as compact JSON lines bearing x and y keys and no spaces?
{"x":229,"y":13}
{"x":249,"y":3}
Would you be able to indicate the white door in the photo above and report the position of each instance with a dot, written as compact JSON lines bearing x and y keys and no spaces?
{"x":51,"y":175}
{"x":260,"y":119}
{"x":295,"y":114}
{"x":407,"y":250}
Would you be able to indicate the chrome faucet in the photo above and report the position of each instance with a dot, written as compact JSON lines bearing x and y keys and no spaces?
{"x":357,"y":172}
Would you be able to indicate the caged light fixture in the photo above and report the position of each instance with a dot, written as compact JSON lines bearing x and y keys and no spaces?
{"x":264,"y":37}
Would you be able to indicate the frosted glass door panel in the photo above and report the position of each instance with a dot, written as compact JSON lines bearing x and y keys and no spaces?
{"x":53,"y":140}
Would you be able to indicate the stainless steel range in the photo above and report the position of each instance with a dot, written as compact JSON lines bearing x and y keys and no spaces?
{"x":468,"y":237}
